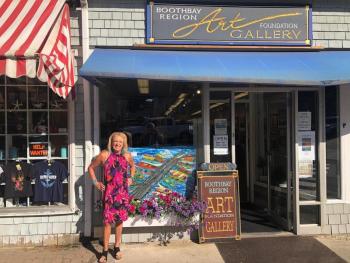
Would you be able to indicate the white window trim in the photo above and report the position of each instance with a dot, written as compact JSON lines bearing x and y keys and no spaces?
{"x":344,"y":97}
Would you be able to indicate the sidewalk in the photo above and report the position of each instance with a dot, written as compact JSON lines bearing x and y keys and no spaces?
{"x":270,"y":249}
{"x":338,"y":244}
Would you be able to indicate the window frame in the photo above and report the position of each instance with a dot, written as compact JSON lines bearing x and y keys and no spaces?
{"x":49,"y":209}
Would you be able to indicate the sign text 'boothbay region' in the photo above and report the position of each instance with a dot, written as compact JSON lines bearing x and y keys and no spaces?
{"x":228,"y":25}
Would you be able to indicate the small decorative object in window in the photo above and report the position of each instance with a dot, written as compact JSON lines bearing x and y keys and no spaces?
{"x":40,"y":126}
{"x":17,"y":105}
{"x":13,"y":153}
{"x":56,"y":104}
{"x":64,"y":152}
{"x":53,"y":150}
{"x":38,"y":105}
{"x":19,"y":125}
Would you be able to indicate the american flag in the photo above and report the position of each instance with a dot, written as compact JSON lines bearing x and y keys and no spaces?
{"x":37,"y":30}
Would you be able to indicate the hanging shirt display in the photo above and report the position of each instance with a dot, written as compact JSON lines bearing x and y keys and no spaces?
{"x":1,"y":174}
{"x":48,"y":181}
{"x":17,"y":178}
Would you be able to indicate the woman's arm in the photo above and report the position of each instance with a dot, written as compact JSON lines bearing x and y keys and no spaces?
{"x":130,"y":160}
{"x":132,"y":166}
{"x":97,"y":161}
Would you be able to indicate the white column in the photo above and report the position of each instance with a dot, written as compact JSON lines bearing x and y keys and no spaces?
{"x":96,"y":121}
{"x":233,"y":135}
{"x":344,"y":96}
{"x":206,"y":122}
{"x":87,"y":122}
{"x":71,"y":160}
{"x":322,"y":156}
{"x":296,"y":166}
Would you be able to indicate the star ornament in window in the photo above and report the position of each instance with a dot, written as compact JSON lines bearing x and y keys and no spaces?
{"x":17,"y":105}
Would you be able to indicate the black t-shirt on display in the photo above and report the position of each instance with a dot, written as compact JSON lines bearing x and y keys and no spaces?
{"x":48,"y":181}
{"x":17,"y":177}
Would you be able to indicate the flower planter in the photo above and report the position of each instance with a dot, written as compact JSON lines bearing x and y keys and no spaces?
{"x":166,"y":220}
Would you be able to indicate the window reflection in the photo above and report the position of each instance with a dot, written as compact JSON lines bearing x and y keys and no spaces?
{"x":309,"y":214}
{"x":332,"y":143}
{"x":163,"y":116}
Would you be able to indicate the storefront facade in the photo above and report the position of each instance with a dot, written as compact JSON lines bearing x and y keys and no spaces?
{"x":266,"y":118}
{"x":288,"y":132}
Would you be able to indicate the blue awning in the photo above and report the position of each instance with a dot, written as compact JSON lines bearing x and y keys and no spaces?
{"x":285,"y":68}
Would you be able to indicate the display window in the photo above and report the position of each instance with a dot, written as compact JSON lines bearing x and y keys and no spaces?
{"x":162,"y":122}
{"x":33,"y":144}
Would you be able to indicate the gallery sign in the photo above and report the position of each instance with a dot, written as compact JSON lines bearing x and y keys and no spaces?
{"x":228,"y":25}
{"x":221,"y":219}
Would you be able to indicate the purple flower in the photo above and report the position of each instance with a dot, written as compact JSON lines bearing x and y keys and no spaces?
{"x":171,"y":203}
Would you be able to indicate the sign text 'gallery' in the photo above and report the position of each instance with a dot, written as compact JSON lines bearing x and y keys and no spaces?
{"x":228,"y":25}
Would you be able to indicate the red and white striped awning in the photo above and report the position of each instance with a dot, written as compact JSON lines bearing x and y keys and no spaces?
{"x":37,"y":32}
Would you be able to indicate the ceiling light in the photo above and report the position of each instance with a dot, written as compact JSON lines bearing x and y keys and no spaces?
{"x":178,"y":101}
{"x":195,"y":113}
{"x":143,"y":86}
{"x":216,"y":105}
{"x":241,"y":95}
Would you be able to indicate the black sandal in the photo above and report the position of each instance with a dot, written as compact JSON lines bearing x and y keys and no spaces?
{"x":116,"y":253}
{"x":103,"y":257}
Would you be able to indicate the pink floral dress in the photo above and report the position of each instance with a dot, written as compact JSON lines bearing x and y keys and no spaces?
{"x":116,"y":196}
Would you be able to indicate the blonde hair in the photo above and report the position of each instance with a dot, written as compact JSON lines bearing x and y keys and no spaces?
{"x":121,"y":135}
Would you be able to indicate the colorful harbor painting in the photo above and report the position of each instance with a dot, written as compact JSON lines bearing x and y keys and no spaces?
{"x":162,"y":170}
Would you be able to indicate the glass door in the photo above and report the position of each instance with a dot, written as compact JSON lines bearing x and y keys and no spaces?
{"x":271,"y":139}
{"x":278,"y":156}
{"x":241,"y":145}
{"x":308,"y":164}
{"x":258,"y":139}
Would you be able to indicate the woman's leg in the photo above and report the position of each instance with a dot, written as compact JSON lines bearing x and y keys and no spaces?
{"x":118,"y":233}
{"x":106,"y":235}
{"x":118,"y":240}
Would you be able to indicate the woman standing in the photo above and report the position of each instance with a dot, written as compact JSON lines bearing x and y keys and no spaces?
{"x":116,"y":162}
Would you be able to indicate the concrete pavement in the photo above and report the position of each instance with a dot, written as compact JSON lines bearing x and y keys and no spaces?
{"x":262,"y":249}
{"x":338,"y":244}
